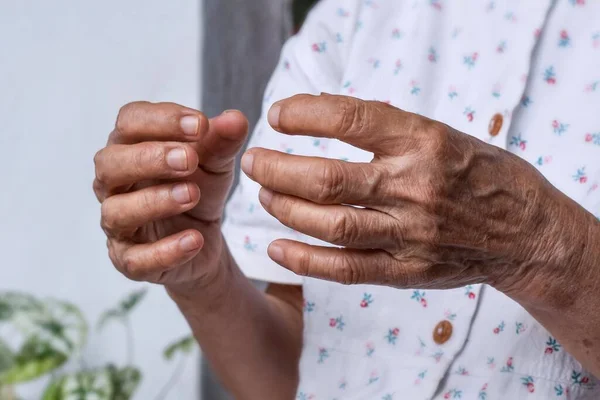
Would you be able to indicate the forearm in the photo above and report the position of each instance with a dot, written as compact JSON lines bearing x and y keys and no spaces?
{"x":565,"y":297}
{"x":251,"y":339}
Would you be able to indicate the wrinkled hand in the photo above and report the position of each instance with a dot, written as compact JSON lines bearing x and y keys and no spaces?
{"x":158,"y":161}
{"x":438,"y":208}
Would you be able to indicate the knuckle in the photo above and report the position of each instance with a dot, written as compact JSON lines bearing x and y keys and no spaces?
{"x":100,"y":165}
{"x":149,"y":156}
{"x":126,"y":117}
{"x":108,"y":219}
{"x":304,"y":264}
{"x":130,"y":267}
{"x":329,"y":187}
{"x":342,"y":229}
{"x":353,"y":115}
{"x":345,"y":270}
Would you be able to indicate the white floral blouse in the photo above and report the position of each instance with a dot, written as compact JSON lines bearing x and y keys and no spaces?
{"x":521,"y":75}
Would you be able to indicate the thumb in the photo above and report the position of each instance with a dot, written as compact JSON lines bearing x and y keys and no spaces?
{"x":222,"y":141}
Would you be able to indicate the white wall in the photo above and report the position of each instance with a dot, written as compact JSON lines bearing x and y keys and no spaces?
{"x":65,"y":68}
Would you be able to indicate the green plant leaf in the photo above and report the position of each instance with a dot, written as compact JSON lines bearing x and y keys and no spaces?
{"x":122,"y":310}
{"x":35,"y":359}
{"x":184,"y":345}
{"x":125,"y":381}
{"x":7,"y":358}
{"x":85,"y":385}
{"x":54,"y":390}
{"x":14,"y":303}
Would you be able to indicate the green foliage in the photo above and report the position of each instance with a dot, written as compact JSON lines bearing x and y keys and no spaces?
{"x":184,"y":345}
{"x":7,"y":358}
{"x":125,"y":381}
{"x":123,"y":309}
{"x":35,"y":359}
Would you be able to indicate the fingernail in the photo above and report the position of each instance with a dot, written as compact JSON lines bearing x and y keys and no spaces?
{"x":275,"y":252}
{"x":246,"y":164}
{"x":189,"y":125}
{"x":273,"y":116}
{"x":177,"y":159}
{"x":188,"y":243}
{"x":229,"y":111}
{"x":265,"y":196}
{"x":181,"y":193}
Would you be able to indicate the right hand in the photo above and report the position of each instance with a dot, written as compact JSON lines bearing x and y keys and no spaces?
{"x":149,"y":179}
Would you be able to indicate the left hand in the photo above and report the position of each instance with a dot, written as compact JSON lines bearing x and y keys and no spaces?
{"x":439,"y":208}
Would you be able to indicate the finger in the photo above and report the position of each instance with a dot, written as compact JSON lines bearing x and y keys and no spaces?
{"x":124,"y":213}
{"x":370,"y":125}
{"x":342,"y":265}
{"x":119,"y":165}
{"x":144,"y":121}
{"x":339,"y":225}
{"x":320,"y":180}
{"x":150,"y":261}
{"x":224,"y":138}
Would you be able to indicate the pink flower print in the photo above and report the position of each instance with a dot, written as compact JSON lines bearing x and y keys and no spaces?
{"x":437,"y":4}
{"x":308,"y":306}
{"x":560,"y":390}
{"x":501,"y":47}
{"x":321,"y":144}
{"x":518,"y":141}
{"x":543,"y":160}
{"x":286,"y":65}
{"x":596,"y":40}
{"x":577,"y":2}
{"x":470,"y":60}
{"x":248,"y":245}
{"x":510,"y":16}
{"x":452,"y":93}
{"x":526,"y":101}
{"x":449,"y":315}
{"x":482,"y":392}
{"x":371,"y":3}
{"x":496,"y":90}
{"x":577,"y":378}
{"x":388,"y":396}
{"x":550,"y":75}
{"x":432,"y":55}
{"x":422,"y":347}
{"x":592,"y":87}
{"x":580,"y":175}
{"x":564,"y":40}
{"x":470,"y":113}
{"x":323,"y":355}
{"x":509,"y":367}
{"x":491,"y":362}
{"x":343,"y":384}
{"x":419,"y":296}
{"x":593,"y":138}
{"x":420,"y":377}
{"x":437,"y":356}
{"x":520,"y":327}
{"x":559,"y":128}
{"x":305,"y":396}
{"x":461,"y":371}
{"x":367,"y":300}
{"x":537,"y":32}
{"x":343,"y":13}
{"x":469,"y":292}
{"x":499,"y":328}
{"x":370,"y":349}
{"x":453,"y":394}
{"x":320,"y":47}
{"x":375,"y":63}
{"x":337,"y":323}
{"x":455,"y":32}
{"x":397,"y":33}
{"x":552,"y":346}
{"x":374,"y":377}
{"x":348,"y":87}
{"x":415,"y":89}
{"x":339,"y":38}
{"x":397,"y":67}
{"x":392,"y":335}
{"x":527,"y":381}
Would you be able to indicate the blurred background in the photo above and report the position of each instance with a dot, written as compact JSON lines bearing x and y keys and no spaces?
{"x":70,"y":325}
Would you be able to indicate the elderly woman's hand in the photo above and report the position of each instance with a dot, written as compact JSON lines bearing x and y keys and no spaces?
{"x":438,"y":208}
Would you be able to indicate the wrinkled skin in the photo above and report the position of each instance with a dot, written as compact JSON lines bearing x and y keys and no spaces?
{"x":155,"y":228}
{"x":439,"y":208}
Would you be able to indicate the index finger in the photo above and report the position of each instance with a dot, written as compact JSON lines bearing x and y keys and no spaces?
{"x":370,"y":125}
{"x":144,"y":121}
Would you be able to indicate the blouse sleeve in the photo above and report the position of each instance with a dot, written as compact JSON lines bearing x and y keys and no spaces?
{"x":311,"y":62}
